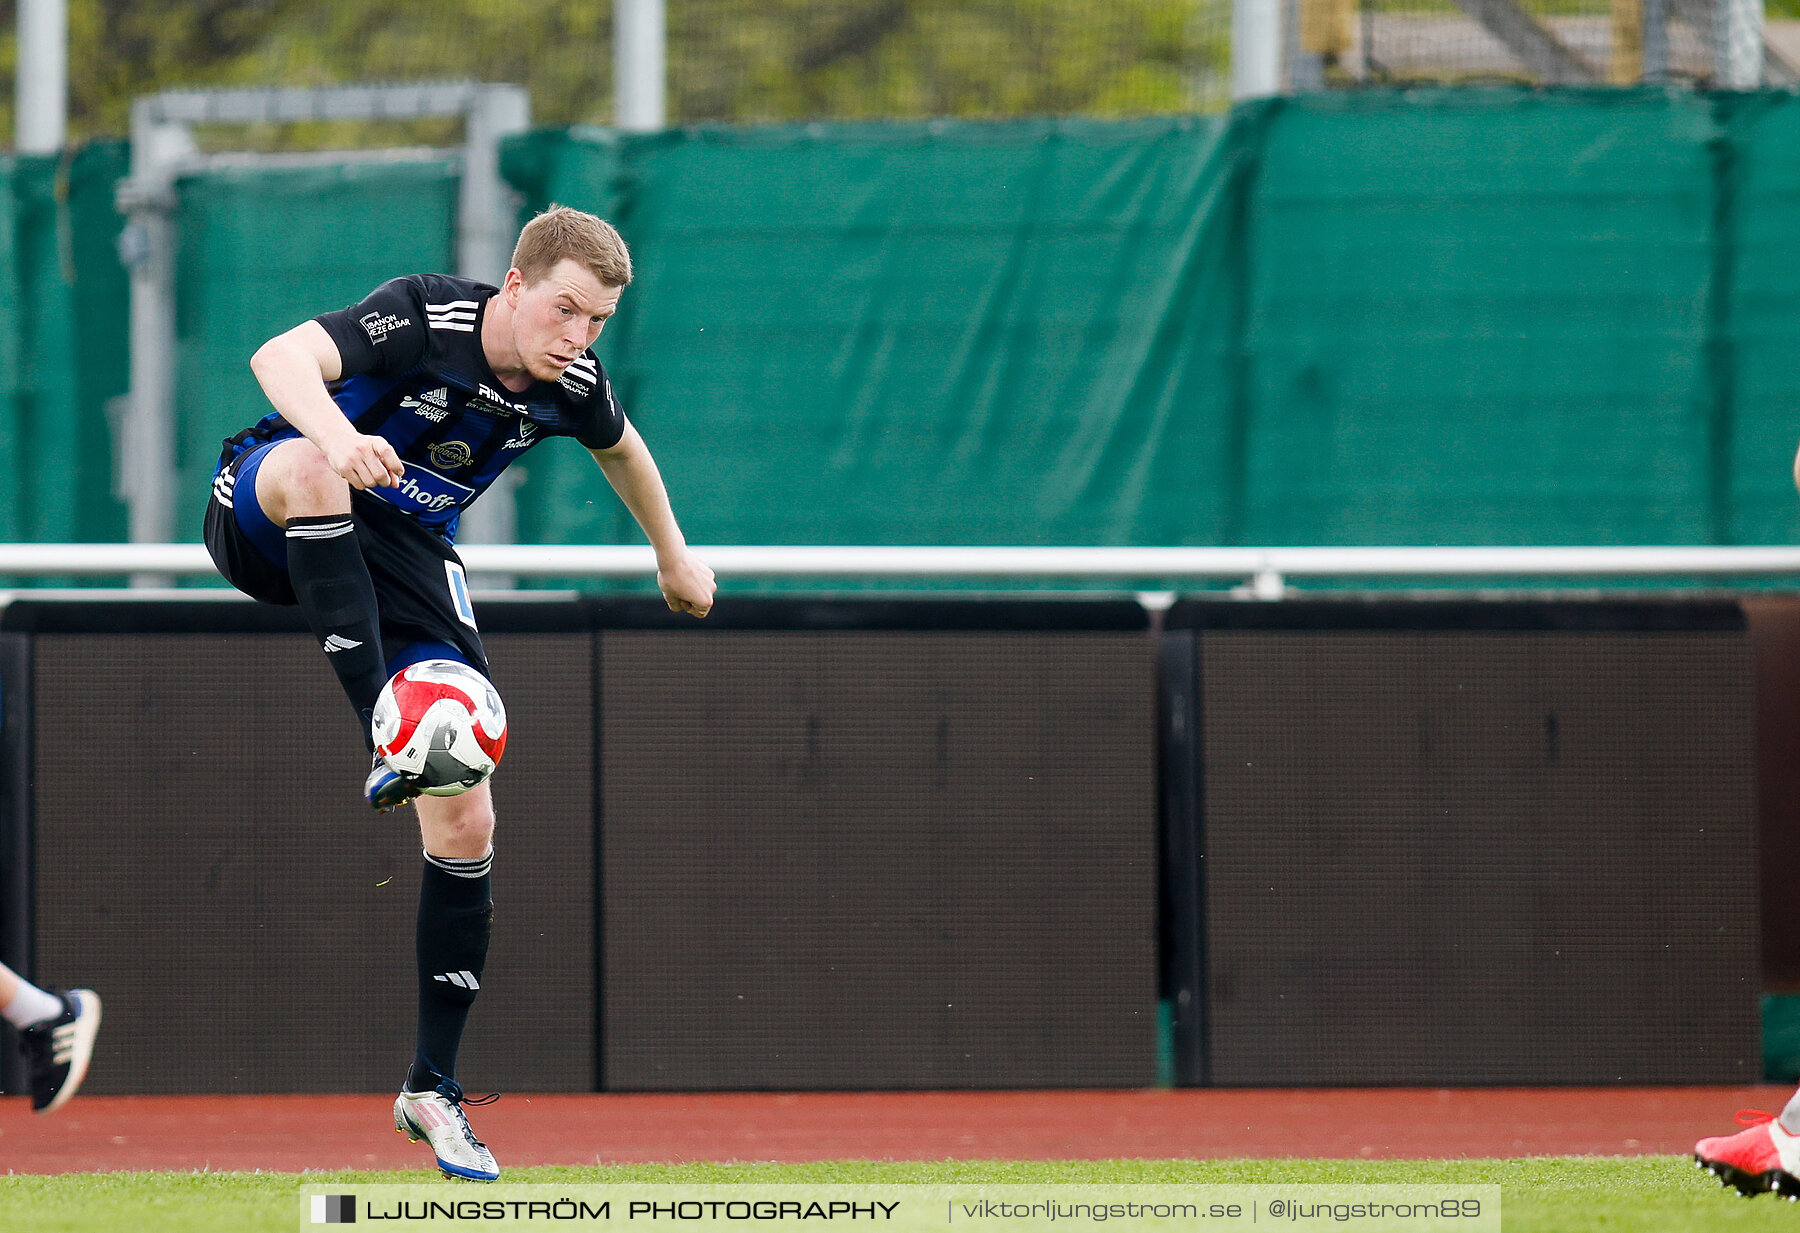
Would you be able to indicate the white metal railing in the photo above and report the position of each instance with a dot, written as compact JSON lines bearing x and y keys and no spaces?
{"x":1265,"y":569}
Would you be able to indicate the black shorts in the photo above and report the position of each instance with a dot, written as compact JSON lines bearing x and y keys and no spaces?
{"x":420,"y":584}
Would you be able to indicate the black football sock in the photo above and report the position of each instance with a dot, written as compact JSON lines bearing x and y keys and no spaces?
{"x":456,"y":917}
{"x":331,"y":580}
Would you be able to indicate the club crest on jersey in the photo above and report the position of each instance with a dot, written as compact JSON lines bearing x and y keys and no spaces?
{"x":378,"y":326}
{"x":432,"y":405}
{"x":449,"y":455}
{"x":527,"y":434}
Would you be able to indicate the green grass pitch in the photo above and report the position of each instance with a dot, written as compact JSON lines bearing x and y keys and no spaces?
{"x":1664,"y":1194}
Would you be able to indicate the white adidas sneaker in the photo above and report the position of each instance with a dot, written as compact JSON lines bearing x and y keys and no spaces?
{"x":437,"y":1118}
{"x":58,"y":1050}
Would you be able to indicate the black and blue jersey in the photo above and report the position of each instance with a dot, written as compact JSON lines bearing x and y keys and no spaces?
{"x":414,"y":373}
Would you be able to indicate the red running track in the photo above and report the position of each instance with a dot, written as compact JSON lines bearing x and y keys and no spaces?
{"x":291,"y":1133}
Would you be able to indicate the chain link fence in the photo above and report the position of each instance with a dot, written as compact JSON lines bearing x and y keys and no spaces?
{"x":728,"y":60}
{"x":865,"y":59}
{"x":1709,"y":43}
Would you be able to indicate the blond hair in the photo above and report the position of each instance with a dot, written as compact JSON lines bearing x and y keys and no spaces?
{"x":561,"y":232}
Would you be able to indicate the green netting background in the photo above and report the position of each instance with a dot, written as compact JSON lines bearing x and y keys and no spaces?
{"x":928,"y":334}
{"x":1424,"y":317}
{"x":1481,"y":325}
{"x":64,"y":324}
{"x":263,"y":249}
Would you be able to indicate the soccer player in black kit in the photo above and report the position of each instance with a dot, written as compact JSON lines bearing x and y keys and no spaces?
{"x":390,"y":417}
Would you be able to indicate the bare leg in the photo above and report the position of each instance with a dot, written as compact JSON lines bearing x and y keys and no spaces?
{"x":457,"y":826}
{"x":295,"y":481}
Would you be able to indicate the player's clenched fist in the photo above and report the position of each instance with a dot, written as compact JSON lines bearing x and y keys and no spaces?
{"x":366,"y":462}
{"x":687,"y":585}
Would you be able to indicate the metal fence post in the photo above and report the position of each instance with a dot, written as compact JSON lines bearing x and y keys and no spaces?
{"x":487,"y":222}
{"x":640,"y":53}
{"x":1656,"y":41}
{"x":487,"y":208}
{"x":147,"y":248}
{"x":1738,"y":35}
{"x":1256,"y":47}
{"x":41,"y":91}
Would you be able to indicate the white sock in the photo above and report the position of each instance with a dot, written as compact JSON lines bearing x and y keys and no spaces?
{"x":1790,"y":1116}
{"x":31,"y":1005}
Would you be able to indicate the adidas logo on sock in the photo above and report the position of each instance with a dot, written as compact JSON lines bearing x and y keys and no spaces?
{"x":337,"y":642}
{"x":462,"y":980}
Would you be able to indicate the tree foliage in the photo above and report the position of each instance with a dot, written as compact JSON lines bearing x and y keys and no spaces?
{"x":789,"y":59}
{"x":729,"y":60}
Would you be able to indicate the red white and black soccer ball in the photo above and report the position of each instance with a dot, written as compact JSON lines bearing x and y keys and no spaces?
{"x":440,"y":724}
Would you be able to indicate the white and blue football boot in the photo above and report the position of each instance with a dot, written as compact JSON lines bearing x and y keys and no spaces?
{"x":386,"y":788}
{"x":437,"y":1118}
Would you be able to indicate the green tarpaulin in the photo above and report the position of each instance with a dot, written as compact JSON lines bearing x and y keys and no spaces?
{"x":1429,"y":317}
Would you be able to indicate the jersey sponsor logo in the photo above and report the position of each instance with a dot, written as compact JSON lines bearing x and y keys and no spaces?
{"x":487,"y":398}
{"x":527,"y":435}
{"x":579,"y":377}
{"x":424,"y":492}
{"x":451,"y":454}
{"x":432,"y":405}
{"x":378,"y":326}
